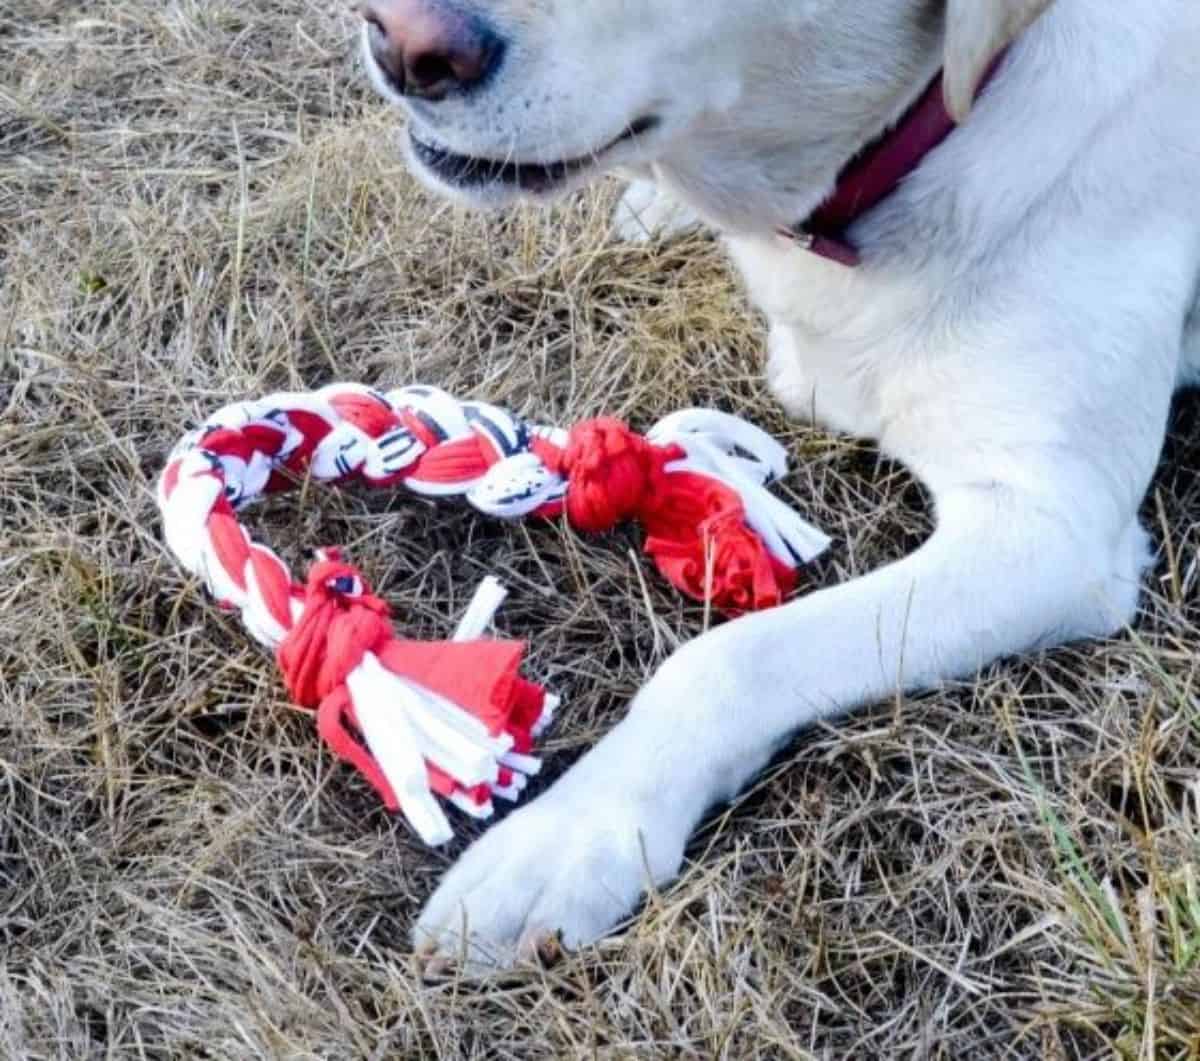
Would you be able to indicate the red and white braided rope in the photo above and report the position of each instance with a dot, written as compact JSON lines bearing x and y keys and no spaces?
{"x":416,"y":736}
{"x":697,"y":477}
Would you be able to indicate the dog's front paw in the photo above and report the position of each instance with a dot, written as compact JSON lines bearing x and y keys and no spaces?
{"x":564,"y":869}
{"x":646,"y":212}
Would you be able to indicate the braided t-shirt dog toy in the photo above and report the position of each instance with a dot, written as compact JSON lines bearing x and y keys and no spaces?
{"x":455,"y":718}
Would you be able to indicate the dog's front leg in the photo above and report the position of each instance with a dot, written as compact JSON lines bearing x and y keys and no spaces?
{"x":1000,"y":575}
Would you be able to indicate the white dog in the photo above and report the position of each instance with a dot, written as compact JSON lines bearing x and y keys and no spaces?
{"x":1023,"y":307}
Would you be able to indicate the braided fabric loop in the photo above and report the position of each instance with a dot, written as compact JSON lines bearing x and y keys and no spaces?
{"x":456,"y":718}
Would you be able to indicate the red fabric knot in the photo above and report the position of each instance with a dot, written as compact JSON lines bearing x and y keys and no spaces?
{"x":341,"y":622}
{"x":695,"y":524}
{"x":724,"y":561}
{"x":613,"y":474}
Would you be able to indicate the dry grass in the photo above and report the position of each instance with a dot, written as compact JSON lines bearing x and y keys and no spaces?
{"x":198,"y":202}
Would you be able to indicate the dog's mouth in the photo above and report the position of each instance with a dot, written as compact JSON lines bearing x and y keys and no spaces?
{"x":469,"y":172}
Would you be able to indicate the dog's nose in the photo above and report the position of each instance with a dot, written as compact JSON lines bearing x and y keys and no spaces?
{"x":427,"y":49}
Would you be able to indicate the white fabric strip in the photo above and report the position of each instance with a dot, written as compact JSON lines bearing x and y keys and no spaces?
{"x":382,"y":713}
{"x":489,"y":595}
{"x":788,"y":535}
{"x":723,"y":429}
{"x":525,"y":764}
{"x":550,"y":706}
{"x":479,"y":811}
{"x":467,"y":758}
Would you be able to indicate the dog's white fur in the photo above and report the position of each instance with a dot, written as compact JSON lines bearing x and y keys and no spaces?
{"x":1026,"y":308}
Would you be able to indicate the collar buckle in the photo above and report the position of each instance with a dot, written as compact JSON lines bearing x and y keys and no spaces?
{"x":799,"y":235}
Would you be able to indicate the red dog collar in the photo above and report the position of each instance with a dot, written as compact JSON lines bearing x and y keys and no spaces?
{"x":876,"y":172}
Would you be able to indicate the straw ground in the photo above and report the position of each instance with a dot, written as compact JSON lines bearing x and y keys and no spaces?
{"x":200,"y":202}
